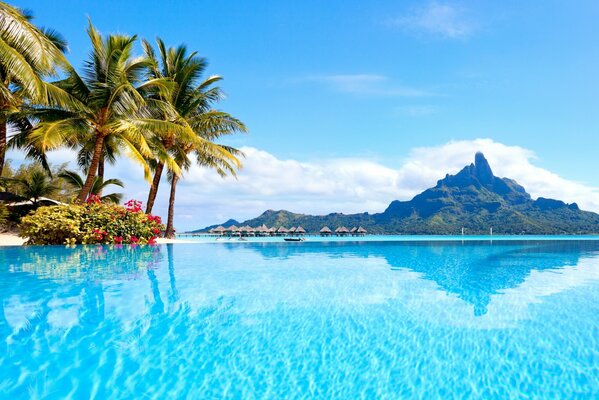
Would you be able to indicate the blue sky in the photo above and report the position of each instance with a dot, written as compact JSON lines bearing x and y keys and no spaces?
{"x":377,"y":81}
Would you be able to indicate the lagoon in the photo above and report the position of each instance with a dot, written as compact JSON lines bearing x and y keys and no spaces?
{"x":318,"y":319}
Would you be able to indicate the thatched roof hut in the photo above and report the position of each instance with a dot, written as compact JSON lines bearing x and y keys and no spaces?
{"x":282,"y":229}
{"x":300,"y":231}
{"x":325,"y":231}
{"x":353,"y":230}
{"x":342,"y":231}
{"x":291,"y":230}
{"x":361,"y":231}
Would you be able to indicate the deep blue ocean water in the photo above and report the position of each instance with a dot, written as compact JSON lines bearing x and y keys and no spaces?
{"x":327,"y":320}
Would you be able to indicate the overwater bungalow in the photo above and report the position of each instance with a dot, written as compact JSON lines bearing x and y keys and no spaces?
{"x":219,"y":230}
{"x":291,"y":231}
{"x":299,"y":231}
{"x":325,"y":231}
{"x":353,"y":231}
{"x":282,"y":231}
{"x":272,"y":231}
{"x":342,"y":231}
{"x":262,"y":231}
{"x":361,"y":231}
{"x":247,"y":231}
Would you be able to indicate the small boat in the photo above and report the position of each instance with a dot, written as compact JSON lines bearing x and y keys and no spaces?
{"x":294,"y":239}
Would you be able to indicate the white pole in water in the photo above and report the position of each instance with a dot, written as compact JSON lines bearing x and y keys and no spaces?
{"x":491,"y":232}
{"x":462,"y":231}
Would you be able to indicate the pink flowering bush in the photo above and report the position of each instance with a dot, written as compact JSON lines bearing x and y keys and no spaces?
{"x":93,"y":222}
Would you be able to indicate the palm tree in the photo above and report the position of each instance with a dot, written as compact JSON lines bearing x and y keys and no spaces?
{"x":76,"y":181}
{"x":222,"y":159}
{"x":36,"y":186}
{"x":27,"y":55}
{"x":110,"y":108}
{"x":191,"y":101}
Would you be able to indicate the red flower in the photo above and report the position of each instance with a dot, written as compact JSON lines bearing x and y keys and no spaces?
{"x":152,"y":240}
{"x":133,"y":206}
{"x":156,"y":231}
{"x":93,"y":199}
{"x":118,"y":239}
{"x":133,"y":240}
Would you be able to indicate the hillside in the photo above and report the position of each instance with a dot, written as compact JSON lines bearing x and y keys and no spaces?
{"x":473,"y":199}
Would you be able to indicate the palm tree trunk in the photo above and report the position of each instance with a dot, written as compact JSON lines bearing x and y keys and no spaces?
{"x":101,"y":172}
{"x":170,"y":230}
{"x":2,"y":143}
{"x":154,"y":187}
{"x":93,"y":167}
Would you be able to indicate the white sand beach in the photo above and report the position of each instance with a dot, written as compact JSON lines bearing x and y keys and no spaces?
{"x":11,"y":239}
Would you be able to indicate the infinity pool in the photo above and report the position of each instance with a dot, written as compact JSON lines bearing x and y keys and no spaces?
{"x":327,"y":320}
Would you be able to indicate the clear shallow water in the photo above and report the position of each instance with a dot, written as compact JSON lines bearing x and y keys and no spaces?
{"x":390,"y":238}
{"x":302,"y":320}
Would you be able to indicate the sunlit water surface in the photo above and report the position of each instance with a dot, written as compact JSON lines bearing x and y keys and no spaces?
{"x":328,"y":320}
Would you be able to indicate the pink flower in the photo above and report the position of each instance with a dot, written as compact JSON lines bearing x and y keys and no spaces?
{"x":93,"y":199}
{"x":133,"y":206}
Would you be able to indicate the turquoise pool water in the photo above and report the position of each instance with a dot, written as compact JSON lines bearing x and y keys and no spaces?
{"x":327,"y":320}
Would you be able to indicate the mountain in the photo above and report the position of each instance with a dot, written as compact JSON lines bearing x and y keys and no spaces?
{"x":227,"y":224}
{"x":474,"y":199}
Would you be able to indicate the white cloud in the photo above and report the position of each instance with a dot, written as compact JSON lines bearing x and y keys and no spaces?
{"x":348,"y":185}
{"x":367,"y":84}
{"x":437,"y":19}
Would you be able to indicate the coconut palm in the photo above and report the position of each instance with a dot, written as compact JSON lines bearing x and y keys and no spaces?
{"x":76,"y":182}
{"x":223,"y":159}
{"x":110,"y":109}
{"x":28,"y":54}
{"x":35,"y":186}
{"x":191,"y":99}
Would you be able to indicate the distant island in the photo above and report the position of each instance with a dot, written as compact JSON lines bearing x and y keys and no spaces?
{"x":474,"y":200}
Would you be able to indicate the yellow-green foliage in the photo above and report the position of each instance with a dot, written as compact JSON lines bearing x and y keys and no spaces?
{"x":90,"y":223}
{"x":4,"y":213}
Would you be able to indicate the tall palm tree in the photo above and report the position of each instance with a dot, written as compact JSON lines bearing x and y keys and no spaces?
{"x":222,"y":159}
{"x":191,"y":100}
{"x":28,"y":54}
{"x":110,"y":107}
{"x":76,"y":181}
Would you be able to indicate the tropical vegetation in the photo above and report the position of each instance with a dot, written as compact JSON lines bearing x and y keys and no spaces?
{"x":90,"y":223}
{"x":157,"y":108}
{"x":75,"y":181}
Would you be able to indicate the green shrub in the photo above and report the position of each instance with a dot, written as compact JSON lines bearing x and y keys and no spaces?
{"x":91,"y":223}
{"x":4,"y":213}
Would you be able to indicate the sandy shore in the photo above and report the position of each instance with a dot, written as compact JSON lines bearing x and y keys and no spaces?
{"x":10,"y":239}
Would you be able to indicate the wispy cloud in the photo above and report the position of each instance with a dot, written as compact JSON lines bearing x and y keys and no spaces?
{"x":367,"y":84}
{"x":437,"y":19}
